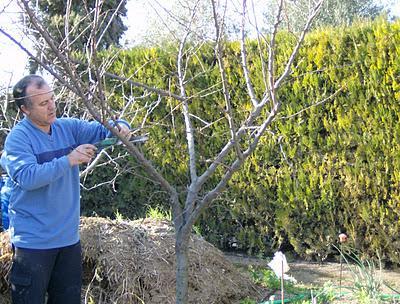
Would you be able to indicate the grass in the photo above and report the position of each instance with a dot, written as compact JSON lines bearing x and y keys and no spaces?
{"x":365,"y":287}
{"x":160,"y":214}
{"x":294,"y":293}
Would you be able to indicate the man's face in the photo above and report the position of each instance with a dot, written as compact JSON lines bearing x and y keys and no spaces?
{"x":42,"y":109}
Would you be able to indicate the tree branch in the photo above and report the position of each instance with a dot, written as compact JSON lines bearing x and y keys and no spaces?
{"x":243,"y":51}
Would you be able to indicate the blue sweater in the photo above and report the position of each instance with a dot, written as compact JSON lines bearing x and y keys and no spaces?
{"x":44,"y":206}
{"x":5,"y":198}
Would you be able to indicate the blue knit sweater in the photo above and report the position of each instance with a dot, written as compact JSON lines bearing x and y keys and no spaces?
{"x":44,"y":206}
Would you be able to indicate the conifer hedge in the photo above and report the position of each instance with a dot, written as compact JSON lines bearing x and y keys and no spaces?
{"x":331,"y":168}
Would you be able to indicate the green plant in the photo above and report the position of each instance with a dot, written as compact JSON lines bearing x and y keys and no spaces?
{"x":326,"y":294}
{"x":367,"y":283}
{"x":248,"y":301}
{"x":197,"y":229}
{"x":118,"y":216}
{"x":158,"y":213}
{"x":295,"y":293}
{"x":265,"y":277}
{"x":366,"y":286}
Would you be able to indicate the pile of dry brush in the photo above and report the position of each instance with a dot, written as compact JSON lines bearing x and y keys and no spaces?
{"x":134,"y":262}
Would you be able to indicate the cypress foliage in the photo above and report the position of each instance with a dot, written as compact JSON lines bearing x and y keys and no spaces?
{"x":332,"y":168}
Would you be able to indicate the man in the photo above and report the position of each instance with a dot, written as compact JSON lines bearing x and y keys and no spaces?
{"x":1,"y":199}
{"x":5,"y":191}
{"x":41,"y":155}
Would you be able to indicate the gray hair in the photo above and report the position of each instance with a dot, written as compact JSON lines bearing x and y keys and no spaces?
{"x":19,"y":91}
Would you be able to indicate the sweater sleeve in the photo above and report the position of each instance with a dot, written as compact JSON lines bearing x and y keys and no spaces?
{"x":92,"y":132}
{"x":19,"y":160}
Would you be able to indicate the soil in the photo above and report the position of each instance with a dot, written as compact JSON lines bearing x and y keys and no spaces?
{"x":316,"y":275}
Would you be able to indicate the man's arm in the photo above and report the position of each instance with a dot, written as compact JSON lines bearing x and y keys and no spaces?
{"x":20,"y":162}
{"x":92,"y":132}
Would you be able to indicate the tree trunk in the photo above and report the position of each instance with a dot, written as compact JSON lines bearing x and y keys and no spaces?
{"x":182,"y":274}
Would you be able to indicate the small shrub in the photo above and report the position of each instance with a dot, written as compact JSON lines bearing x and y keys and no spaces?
{"x":159,"y":214}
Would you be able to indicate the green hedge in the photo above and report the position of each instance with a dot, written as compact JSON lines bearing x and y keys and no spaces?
{"x":341,"y":170}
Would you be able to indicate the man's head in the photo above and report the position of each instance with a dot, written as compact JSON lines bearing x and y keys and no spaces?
{"x":19,"y":92}
{"x":35,"y":99}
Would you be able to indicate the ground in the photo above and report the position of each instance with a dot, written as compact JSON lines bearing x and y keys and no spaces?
{"x":317,"y":274}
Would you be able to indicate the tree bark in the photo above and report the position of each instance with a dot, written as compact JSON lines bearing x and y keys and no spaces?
{"x":182,"y":268}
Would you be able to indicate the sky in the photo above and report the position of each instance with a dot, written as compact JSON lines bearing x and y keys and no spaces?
{"x":13,"y":60}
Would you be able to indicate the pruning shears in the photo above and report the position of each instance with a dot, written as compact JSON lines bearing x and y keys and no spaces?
{"x":114,"y":141}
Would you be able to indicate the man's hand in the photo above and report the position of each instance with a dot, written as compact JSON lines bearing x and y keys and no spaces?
{"x":124,"y":131}
{"x":81,"y":154}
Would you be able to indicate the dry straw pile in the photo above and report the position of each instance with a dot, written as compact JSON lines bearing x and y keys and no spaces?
{"x":133,"y":262}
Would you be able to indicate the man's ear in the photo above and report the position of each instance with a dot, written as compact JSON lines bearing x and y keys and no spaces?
{"x":25,"y":110}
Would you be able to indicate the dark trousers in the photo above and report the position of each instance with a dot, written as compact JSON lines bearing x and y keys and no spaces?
{"x":55,"y":271}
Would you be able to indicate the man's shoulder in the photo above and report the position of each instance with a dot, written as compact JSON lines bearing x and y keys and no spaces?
{"x":22,"y":127}
{"x":65,"y":120}
{"x":75,"y":122}
{"x":20,"y":133}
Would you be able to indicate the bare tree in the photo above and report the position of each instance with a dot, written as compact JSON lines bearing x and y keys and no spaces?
{"x":86,"y":79}
{"x":9,"y":116}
